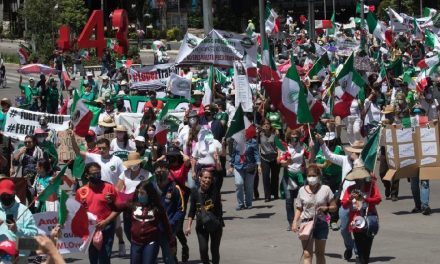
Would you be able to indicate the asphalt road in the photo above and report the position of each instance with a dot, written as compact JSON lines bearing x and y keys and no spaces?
{"x":258,"y":235}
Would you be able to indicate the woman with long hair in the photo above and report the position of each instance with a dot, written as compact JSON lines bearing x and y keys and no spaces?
{"x":149,"y":222}
{"x":314,"y":201}
{"x":207,"y":200}
{"x":153,"y":149}
{"x":43,"y":179}
{"x":122,"y":142}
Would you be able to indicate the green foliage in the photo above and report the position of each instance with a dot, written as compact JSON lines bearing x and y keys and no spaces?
{"x":72,"y":13}
{"x":381,"y":13}
{"x":173,"y":33}
{"x":133,"y":51}
{"x":195,"y":20}
{"x":33,"y":58}
{"x":11,"y":58}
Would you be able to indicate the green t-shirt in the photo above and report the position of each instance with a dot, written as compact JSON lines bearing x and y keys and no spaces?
{"x":88,"y":97}
{"x":2,"y":120}
{"x":333,"y":169}
{"x":29,"y":92}
{"x":275,"y":119}
{"x":52,"y":96}
{"x":221,"y":116}
{"x":49,"y":148}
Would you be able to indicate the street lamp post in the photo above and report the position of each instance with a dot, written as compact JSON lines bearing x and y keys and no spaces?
{"x":207,"y":16}
{"x":325,"y":9}
{"x":261,"y":13}
{"x":363,"y":33}
{"x":312,"y":20}
{"x":421,"y":8}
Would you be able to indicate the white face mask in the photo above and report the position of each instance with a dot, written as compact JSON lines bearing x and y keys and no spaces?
{"x":135,"y":167}
{"x":312,"y":180}
{"x":151,"y":133}
{"x":40,"y":139}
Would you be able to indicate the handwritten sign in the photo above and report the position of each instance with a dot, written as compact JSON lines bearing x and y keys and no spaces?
{"x":404,"y":135}
{"x":65,"y":149}
{"x":20,"y":122}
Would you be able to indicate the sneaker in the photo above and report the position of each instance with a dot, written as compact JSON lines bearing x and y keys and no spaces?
{"x":121,"y":251}
{"x":249,"y":207}
{"x":416,"y":210}
{"x":394,"y":199}
{"x":426,"y":211}
{"x":334,"y":226}
{"x":239,"y":208}
{"x":185,"y":253}
{"x":348,"y":253}
{"x":289,"y":228}
{"x":266,"y":200}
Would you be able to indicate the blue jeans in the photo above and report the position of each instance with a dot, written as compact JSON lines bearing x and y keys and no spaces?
{"x":145,"y":254}
{"x":244,"y":187}
{"x":167,"y":257}
{"x":103,"y":256}
{"x":420,"y":195}
{"x":344,"y":216}
{"x":290,"y":196}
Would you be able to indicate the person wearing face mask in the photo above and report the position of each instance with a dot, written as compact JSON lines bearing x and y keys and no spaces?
{"x":108,"y":110}
{"x":153,"y":149}
{"x":206,"y":154}
{"x":148,"y":118}
{"x":197,"y":105}
{"x":12,"y":227}
{"x":153,"y":103}
{"x":209,"y":197}
{"x":313,"y":203}
{"x":106,"y":89}
{"x":191,"y":138}
{"x":99,"y":197}
{"x":372,"y":111}
{"x":230,"y":106}
{"x":8,"y":252}
{"x":274,"y":117}
{"x":53,"y":97}
{"x":31,"y":92}
{"x":172,"y":200}
{"x":179,"y":166}
{"x":88,"y":94}
{"x":361,"y":200}
{"x":120,"y":107}
{"x":346,"y":162}
{"x":24,"y":161}
{"x":122,"y":142}
{"x":128,"y":180}
{"x":51,"y":133}
{"x":149,"y":224}
{"x":48,"y":147}
{"x":293,"y":162}
{"x":43,"y":179}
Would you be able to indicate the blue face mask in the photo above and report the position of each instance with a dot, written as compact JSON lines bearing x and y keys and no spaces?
{"x":142,"y":199}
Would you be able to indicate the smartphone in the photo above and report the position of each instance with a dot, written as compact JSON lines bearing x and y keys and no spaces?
{"x":27,"y":243}
{"x":10,"y":219}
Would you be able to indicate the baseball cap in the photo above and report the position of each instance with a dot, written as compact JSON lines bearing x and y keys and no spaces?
{"x":139,"y":138}
{"x":9,"y":247}
{"x":91,"y":133}
{"x":7,"y":186}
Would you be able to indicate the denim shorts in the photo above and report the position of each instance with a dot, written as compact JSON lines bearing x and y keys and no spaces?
{"x":320,"y":232}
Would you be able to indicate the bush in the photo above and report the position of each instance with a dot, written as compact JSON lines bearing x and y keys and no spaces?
{"x":195,"y":20}
{"x":133,"y":52}
{"x":173,"y":33}
{"x":11,"y":58}
{"x":33,"y":58}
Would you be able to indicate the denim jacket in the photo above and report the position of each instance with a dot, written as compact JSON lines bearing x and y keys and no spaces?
{"x":26,"y":226}
{"x":251,"y":155}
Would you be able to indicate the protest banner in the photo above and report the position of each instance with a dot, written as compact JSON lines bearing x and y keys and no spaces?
{"x":179,"y":86}
{"x":65,"y":150}
{"x":67,"y":242}
{"x":20,"y":122}
{"x":413,"y":151}
{"x":219,"y":48}
{"x":151,"y":77}
{"x":243,"y":94}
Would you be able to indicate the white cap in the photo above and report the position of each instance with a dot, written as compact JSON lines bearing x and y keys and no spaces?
{"x":89,"y":74}
{"x":139,"y":138}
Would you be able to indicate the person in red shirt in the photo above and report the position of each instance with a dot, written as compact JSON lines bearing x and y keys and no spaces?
{"x":91,"y":142}
{"x":98,"y":198}
{"x":157,"y":105}
{"x":362,"y":198}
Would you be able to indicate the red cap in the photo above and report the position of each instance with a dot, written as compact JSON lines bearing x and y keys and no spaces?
{"x":7,"y":186}
{"x":8,"y":247}
{"x":250,"y":132}
{"x":91,"y":133}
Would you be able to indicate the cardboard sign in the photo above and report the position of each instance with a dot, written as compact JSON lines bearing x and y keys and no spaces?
{"x":409,"y":151}
{"x":242,"y":89}
{"x":109,"y":136}
{"x":65,"y":149}
{"x":20,"y":122}
{"x":68,"y":242}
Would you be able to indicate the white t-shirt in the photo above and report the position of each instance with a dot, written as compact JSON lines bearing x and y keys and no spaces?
{"x":204,"y":153}
{"x":297,"y":157}
{"x":131,"y":184}
{"x":118,"y":146}
{"x":373,"y":114}
{"x":430,"y":108}
{"x":110,"y":168}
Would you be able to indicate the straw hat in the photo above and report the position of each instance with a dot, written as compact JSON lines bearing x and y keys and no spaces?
{"x":388,"y":109}
{"x":100,"y":100}
{"x":134,"y":158}
{"x":107,"y":122}
{"x":358,"y":173}
{"x":356,"y":147}
{"x":124,"y":82}
{"x":120,"y":128}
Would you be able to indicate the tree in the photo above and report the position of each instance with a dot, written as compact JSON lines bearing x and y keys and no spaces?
{"x":72,"y":13}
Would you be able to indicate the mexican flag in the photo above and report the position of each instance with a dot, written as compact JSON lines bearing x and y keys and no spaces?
{"x":422,"y":81}
{"x":428,"y":62}
{"x":417,"y":30}
{"x":351,"y":83}
{"x":65,"y":77}
{"x":237,"y":129}
{"x":375,"y":27}
{"x":382,"y":74}
{"x":79,"y":217}
{"x":429,"y":12}
{"x":431,"y":40}
{"x":365,"y":8}
{"x":294,"y":99}
{"x":272,"y":24}
{"x":396,"y":67}
{"x":268,"y":70}
{"x":251,"y":67}
{"x":209,"y":86}
{"x":369,"y":152}
{"x":323,"y":24}
{"x":332,"y":30}
{"x":54,"y":187}
{"x":161,"y":127}
{"x":81,"y":116}
{"x":320,"y":66}
{"x":408,"y":78}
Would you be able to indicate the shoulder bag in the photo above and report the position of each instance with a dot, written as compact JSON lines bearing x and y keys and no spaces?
{"x":208,"y":220}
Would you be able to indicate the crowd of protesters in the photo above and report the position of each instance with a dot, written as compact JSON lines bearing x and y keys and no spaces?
{"x":324,"y":183}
